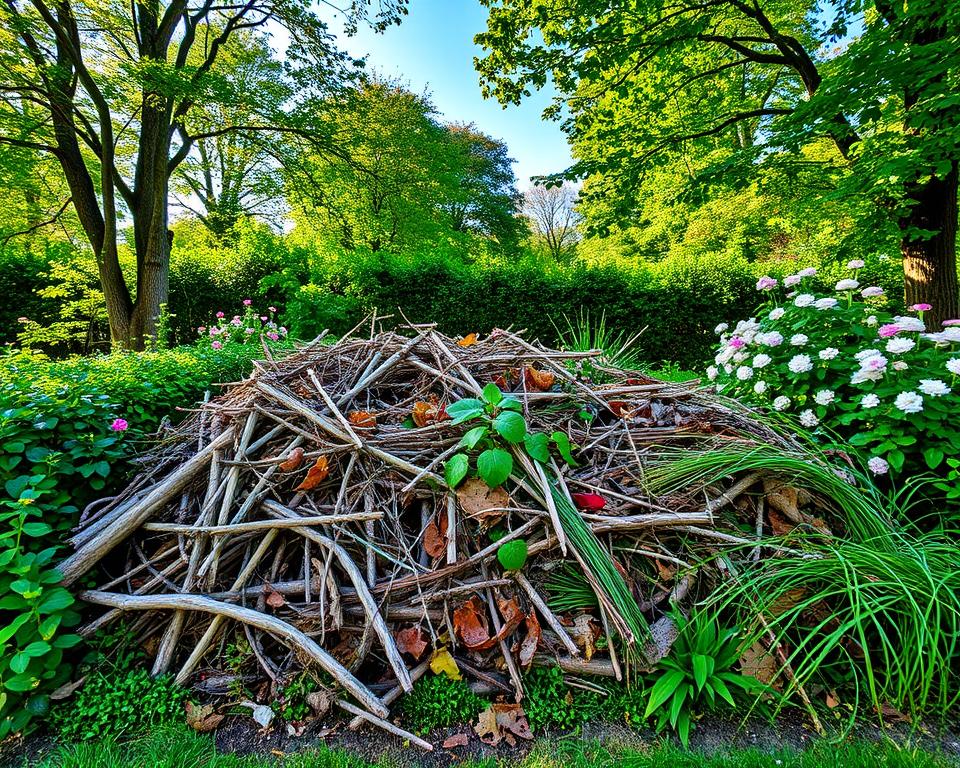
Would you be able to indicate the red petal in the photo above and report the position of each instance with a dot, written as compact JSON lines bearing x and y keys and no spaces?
{"x":590,"y":502}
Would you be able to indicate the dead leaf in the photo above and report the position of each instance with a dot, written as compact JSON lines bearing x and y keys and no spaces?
{"x":779,"y":523}
{"x":435,"y":537}
{"x":831,"y":700}
{"x":538,"y":381}
{"x":66,"y":690}
{"x":425,"y":413}
{"x":528,"y":646}
{"x":470,"y":623}
{"x":315,"y":475}
{"x":757,"y":661}
{"x":480,"y":501}
{"x":320,"y":702}
{"x":274,"y":599}
{"x":456,"y":740}
{"x":584,"y":631}
{"x":202,"y":718}
{"x":412,"y":641}
{"x":362,"y":419}
{"x":663,"y":634}
{"x":503,"y":721}
{"x":468,"y":341}
{"x":293,"y":461}
{"x":442,"y":663}
{"x":261,"y":713}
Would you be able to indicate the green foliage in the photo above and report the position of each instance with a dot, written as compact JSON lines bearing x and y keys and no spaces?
{"x":550,"y":703}
{"x":568,"y":590}
{"x":119,"y":703}
{"x":848,"y":367}
{"x":697,"y":676}
{"x":291,"y":702}
{"x":437,"y":702}
{"x":582,"y":335}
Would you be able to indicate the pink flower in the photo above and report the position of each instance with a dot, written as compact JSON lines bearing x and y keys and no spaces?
{"x":248,"y":331}
{"x":202,"y":329}
{"x":921,"y":307}
{"x":736,"y":342}
{"x":765,"y":283}
{"x":950,"y":323}
{"x":119,"y":425}
{"x":236,"y":320}
{"x":247,"y":302}
{"x":220,"y":314}
{"x":263,"y":318}
{"x":888,"y":330}
{"x":272,"y":309}
{"x":217,"y":345}
{"x":272,"y":336}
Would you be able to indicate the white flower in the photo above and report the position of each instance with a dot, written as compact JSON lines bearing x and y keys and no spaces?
{"x":871,"y":291}
{"x":712,"y":372}
{"x":909,"y":402}
{"x":800,"y":363}
{"x":870,"y":401}
{"x":954,"y":366}
{"x":776,"y":314}
{"x":781,"y":403}
{"x":863,"y":354}
{"x":950,"y":334}
{"x":740,"y":357}
{"x":799,"y":339}
{"x":770,"y":339}
{"x":804,"y":300}
{"x":808,"y":272}
{"x":724,"y":355}
{"x":900,"y":365}
{"x":855,"y":264}
{"x":934,"y":387}
{"x":847,"y":285}
{"x":908,"y":323}
{"x":760,"y":387}
{"x":829,"y":353}
{"x":824,"y":397}
{"x":791,"y":280}
{"x":878,"y":466}
{"x":826,"y":303}
{"x":728,"y":369}
{"x":761,"y":361}
{"x":744,"y":372}
{"x":872,"y":320}
{"x":721,"y":328}
{"x":808,"y":418}
{"x":897,"y":346}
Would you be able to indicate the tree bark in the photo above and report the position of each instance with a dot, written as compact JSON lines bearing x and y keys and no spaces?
{"x":930,"y":262}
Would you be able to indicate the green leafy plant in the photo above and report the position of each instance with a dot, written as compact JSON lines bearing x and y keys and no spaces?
{"x":697,"y":675}
{"x":438,"y":701}
{"x":550,"y":703}
{"x":291,"y":702}
{"x":619,"y":350}
{"x":569,"y":590}
{"x":119,"y":703}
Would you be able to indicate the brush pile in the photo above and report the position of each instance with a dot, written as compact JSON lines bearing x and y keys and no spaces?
{"x":334,"y":515}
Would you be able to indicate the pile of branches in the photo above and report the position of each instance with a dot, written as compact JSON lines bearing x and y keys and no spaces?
{"x":309,"y":511}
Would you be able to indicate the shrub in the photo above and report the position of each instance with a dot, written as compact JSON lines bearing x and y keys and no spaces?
{"x":842,"y":364}
{"x":437,"y":702}
{"x":120,"y":703}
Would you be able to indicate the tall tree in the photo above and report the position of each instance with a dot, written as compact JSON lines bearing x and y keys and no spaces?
{"x":551,"y":211}
{"x":741,"y":82}
{"x":117,"y":85}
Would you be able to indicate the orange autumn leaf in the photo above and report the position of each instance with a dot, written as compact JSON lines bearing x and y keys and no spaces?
{"x":362,"y":419}
{"x":293,"y":461}
{"x":528,"y":646}
{"x":435,"y":537}
{"x":412,"y":641}
{"x":468,"y":341}
{"x":428,"y":413}
{"x":538,"y":381}
{"x":315,"y":475}
{"x":470,"y":623}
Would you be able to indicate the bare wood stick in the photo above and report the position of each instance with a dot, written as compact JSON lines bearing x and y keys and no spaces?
{"x":451,"y":529}
{"x":334,"y":410}
{"x":504,"y":647}
{"x":385,"y":725}
{"x":259,"y":525}
{"x":267,"y":623}
{"x":87,"y":556}
{"x":552,"y":621}
{"x":366,"y":599}
{"x":375,"y":374}
{"x":599,"y":667}
{"x":394,"y":693}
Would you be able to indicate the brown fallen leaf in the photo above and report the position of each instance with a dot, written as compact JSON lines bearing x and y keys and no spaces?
{"x":412,"y":641}
{"x":424,"y":413}
{"x":362,"y":419}
{"x":435,"y":537}
{"x":468,"y":341}
{"x":779,"y":523}
{"x":528,"y":646}
{"x":202,"y":718}
{"x":538,"y":381}
{"x":293,"y":461}
{"x":470,"y":623}
{"x":757,"y":661}
{"x":503,"y":721}
{"x":274,"y":599}
{"x":456,"y":740}
{"x":584,"y":632}
{"x":480,"y":501}
{"x":315,"y":475}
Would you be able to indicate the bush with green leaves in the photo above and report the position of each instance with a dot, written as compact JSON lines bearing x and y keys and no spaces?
{"x":119,"y":703}
{"x":550,"y":703}
{"x":698,"y":675}
{"x":841,"y":364}
{"x":438,"y":701}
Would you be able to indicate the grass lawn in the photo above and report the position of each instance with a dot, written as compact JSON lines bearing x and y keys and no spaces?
{"x":181,"y":748}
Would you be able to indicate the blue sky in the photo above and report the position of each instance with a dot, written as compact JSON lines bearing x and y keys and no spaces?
{"x":433,"y":50}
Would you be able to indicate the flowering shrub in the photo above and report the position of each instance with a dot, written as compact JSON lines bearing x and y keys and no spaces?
{"x":884,"y":383}
{"x":241,"y":329}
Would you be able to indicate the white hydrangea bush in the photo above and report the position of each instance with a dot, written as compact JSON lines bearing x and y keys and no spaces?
{"x":888,"y":384}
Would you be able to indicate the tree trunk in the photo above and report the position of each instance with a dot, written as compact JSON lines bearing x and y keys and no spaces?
{"x":930,"y":263}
